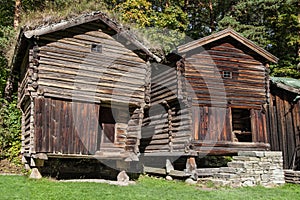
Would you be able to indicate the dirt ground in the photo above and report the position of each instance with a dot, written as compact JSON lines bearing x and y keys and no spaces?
{"x":7,"y":167}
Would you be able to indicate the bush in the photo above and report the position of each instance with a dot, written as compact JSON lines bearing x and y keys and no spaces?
{"x":10,"y":130}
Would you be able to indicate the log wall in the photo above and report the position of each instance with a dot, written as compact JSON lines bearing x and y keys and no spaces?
{"x":247,"y":87}
{"x":215,"y":95}
{"x":167,"y":123}
{"x":284,"y":123}
{"x":27,"y":126}
{"x":86,"y":63}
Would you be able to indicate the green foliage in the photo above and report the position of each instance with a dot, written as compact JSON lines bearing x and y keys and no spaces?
{"x":273,"y":25}
{"x":10,"y":130}
{"x":285,"y":39}
{"x":6,"y":33}
{"x":136,"y":11}
{"x":6,"y":12}
{"x":216,"y":161}
{"x":9,"y":114}
{"x":204,"y":16}
{"x":160,"y":25}
{"x":3,"y":73}
{"x":42,"y":12}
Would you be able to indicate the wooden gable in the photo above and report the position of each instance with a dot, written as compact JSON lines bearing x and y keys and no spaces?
{"x":226,"y":69}
{"x":225,"y":34}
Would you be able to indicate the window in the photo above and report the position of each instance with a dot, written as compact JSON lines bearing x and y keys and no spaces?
{"x":96,"y":48}
{"x":241,"y":125}
{"x":227,"y":74}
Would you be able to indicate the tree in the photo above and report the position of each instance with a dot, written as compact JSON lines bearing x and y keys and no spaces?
{"x":6,"y":33}
{"x":204,"y":15}
{"x":17,"y":13}
{"x":158,"y":23}
{"x":285,"y":39}
{"x":273,"y":25}
{"x":6,"y":12}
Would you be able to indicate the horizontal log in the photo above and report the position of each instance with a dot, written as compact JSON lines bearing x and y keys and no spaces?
{"x":119,"y":64}
{"x":236,"y":103}
{"x":224,"y":52}
{"x":232,"y":85}
{"x":164,"y":96}
{"x":165,"y":81}
{"x":230,"y":144}
{"x":160,"y":136}
{"x":156,"y":123}
{"x":198,"y":57}
{"x":158,"y":147}
{"x":154,"y":170}
{"x":225,"y":64}
{"x":97,"y":83}
{"x":213,"y":78}
{"x":196,"y":81}
{"x":157,"y":142}
{"x":230,"y":94}
{"x":81,"y":88}
{"x":160,"y":72}
{"x":164,"y":99}
{"x":173,"y":173}
{"x":86,"y":48}
{"x":216,"y":70}
{"x":69,"y":95}
{"x":83,"y":68}
{"x":164,"y":91}
{"x":180,"y":140}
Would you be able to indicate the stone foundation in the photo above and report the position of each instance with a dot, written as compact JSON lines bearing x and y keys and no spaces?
{"x":252,"y":168}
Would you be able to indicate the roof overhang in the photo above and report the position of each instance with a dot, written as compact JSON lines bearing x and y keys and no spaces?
{"x":86,"y":18}
{"x":288,"y":84}
{"x":225,"y":33}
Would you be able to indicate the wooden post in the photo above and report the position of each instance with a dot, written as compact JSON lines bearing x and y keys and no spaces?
{"x":180,"y":81}
{"x":170,"y":126}
{"x":32,"y":139}
{"x":148,"y":84}
{"x":134,"y":134}
{"x":267,"y":80}
{"x":191,"y":168}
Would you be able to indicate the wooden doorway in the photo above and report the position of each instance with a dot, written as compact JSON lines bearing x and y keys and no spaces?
{"x":107,"y":123}
{"x":241,"y":125}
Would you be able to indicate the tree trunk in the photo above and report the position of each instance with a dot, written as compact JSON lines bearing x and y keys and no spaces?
{"x":211,"y":16}
{"x":17,"y":13}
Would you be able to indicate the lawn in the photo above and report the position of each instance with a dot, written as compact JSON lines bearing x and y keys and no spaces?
{"x":19,"y":187}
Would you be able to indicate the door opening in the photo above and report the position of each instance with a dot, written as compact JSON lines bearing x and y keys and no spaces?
{"x":241,"y":125}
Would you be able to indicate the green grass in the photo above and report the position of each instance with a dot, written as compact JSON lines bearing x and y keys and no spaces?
{"x":19,"y":187}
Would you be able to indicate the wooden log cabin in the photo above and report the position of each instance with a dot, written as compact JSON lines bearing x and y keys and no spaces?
{"x":209,"y":98}
{"x":284,"y":117}
{"x":82,"y":88}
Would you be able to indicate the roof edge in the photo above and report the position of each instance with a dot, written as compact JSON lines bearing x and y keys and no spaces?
{"x":224,"y":33}
{"x":88,"y":18}
{"x":281,"y":84}
{"x":64,"y":24}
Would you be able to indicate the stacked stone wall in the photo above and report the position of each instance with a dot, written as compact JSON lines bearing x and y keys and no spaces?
{"x":252,"y":168}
